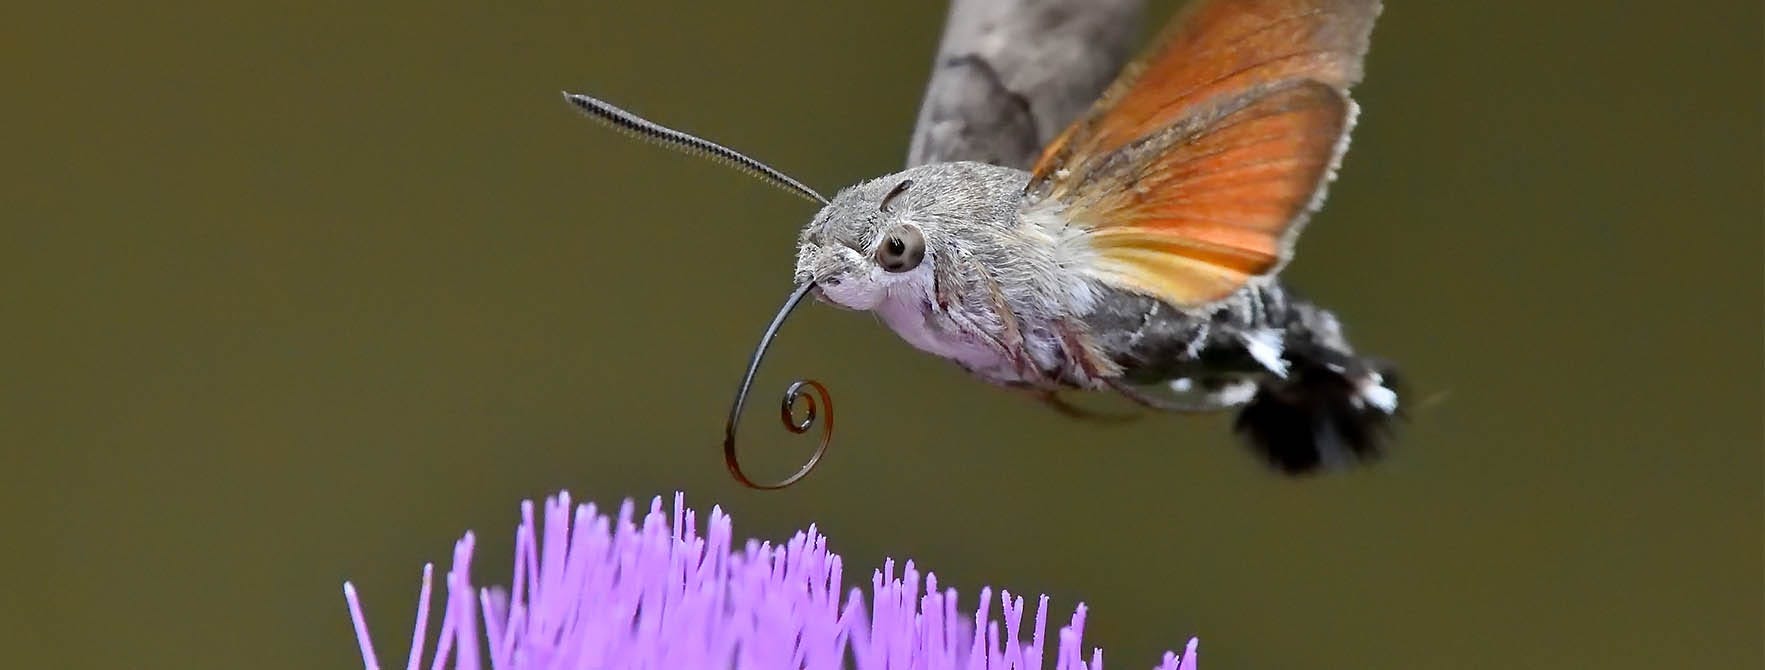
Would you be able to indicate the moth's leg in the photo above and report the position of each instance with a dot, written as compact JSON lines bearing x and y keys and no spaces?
{"x":1010,"y":340}
{"x":1059,"y":404}
{"x":1053,"y":400}
{"x":1210,"y":403}
{"x":1013,"y":335}
{"x":945,"y":289}
{"x":1230,"y":393}
{"x":1076,"y":343}
{"x":946,"y":286}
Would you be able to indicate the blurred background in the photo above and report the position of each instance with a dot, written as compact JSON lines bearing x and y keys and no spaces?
{"x":295,"y":294}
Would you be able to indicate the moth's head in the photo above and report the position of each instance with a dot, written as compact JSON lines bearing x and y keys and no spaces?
{"x":873,"y":238}
{"x":888,"y":236}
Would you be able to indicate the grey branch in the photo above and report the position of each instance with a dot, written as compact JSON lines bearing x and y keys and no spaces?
{"x":1011,"y":74}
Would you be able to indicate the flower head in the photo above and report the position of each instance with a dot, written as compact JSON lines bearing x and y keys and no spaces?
{"x":591,"y":591}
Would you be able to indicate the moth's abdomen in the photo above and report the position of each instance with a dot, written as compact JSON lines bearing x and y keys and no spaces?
{"x":1155,"y":343}
{"x":1305,"y":400}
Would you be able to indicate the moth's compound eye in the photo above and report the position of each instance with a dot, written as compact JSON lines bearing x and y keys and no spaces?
{"x":901,"y":250}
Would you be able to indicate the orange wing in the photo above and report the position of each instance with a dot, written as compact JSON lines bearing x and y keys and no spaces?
{"x":1196,"y":169}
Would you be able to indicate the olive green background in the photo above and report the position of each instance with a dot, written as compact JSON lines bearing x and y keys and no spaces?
{"x":298,"y":293}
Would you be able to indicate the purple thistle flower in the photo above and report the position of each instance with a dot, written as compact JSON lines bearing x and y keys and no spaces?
{"x":594,"y":592}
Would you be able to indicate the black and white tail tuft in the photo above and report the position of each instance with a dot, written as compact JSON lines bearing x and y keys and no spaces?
{"x":1331,"y":410}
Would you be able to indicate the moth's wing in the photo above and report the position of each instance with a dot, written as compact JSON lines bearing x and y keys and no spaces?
{"x":1214,"y":47}
{"x":1194,"y":213}
{"x":1196,"y":169}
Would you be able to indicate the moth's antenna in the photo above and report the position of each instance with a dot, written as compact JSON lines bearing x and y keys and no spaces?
{"x":636,"y":126}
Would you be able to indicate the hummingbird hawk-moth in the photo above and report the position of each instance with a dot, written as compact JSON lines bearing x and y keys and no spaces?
{"x":1139,"y":255}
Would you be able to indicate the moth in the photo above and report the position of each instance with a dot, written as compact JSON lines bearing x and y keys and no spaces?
{"x":1140,"y":255}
